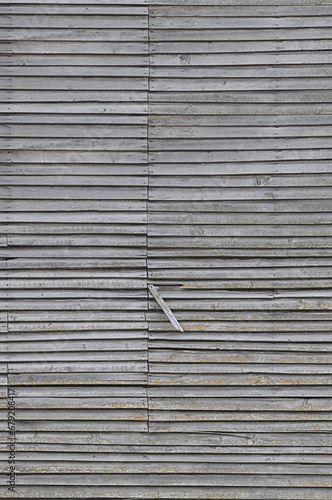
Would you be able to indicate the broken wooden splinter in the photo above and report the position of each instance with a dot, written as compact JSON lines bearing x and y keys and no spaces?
{"x":165,"y":307}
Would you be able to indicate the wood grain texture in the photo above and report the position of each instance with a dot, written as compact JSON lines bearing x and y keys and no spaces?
{"x":186,"y":145}
{"x":233,"y":212}
{"x":74,"y":223}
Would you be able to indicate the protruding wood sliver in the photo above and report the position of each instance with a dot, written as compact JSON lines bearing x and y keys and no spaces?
{"x":165,"y":307}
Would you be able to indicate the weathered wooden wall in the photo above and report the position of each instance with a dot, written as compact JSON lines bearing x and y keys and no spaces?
{"x":185,"y":143}
{"x":77,"y":77}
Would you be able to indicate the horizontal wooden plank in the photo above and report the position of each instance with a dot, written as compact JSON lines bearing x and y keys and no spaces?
{"x":236,"y":304}
{"x":175,"y":492}
{"x":43,"y":335}
{"x":74,"y":130}
{"x":216,"y":20}
{"x":240,"y":230}
{"x":211,"y":263}
{"x":53,"y":33}
{"x":225,"y":72}
{"x":69,"y":96}
{"x":70,"y":223}
{"x":78,"y":379}
{"x":93,"y":345}
{"x":245,"y":368}
{"x":131,"y":240}
{"x":72,"y":107}
{"x":73,"y":283}
{"x":221,"y":2}
{"x":64,"y":415}
{"x":66,"y":9}
{"x":71,"y":293}
{"x":74,"y":119}
{"x":161,"y":194}
{"x":234,"y":156}
{"x":194,"y":80}
{"x":78,"y":21}
{"x":198,"y":33}
{"x":238,"y":391}
{"x":240,"y":404}
{"x":49,"y":456}
{"x":248,"y":284}
{"x":241,"y":11}
{"x":55,"y":231}
{"x":62,"y":466}
{"x":284,"y":319}
{"x":260,"y":97}
{"x":170,"y":479}
{"x":177,"y":291}
{"x":184,"y":218}
{"x":199,"y":47}
{"x":62,"y":83}
{"x":233,"y":335}
{"x":72,"y":71}
{"x":230,"y":416}
{"x":72,"y":192}
{"x":126,"y":173}
{"x":72,"y":356}
{"x":62,"y":326}
{"x":79,"y":403}
{"x":214,"y":144}
{"x":67,"y":335}
{"x":249,"y":348}
{"x":184,"y":354}
{"x":95,"y":264}
{"x":230,"y":121}
{"x":181,"y":292}
{"x":74,"y":252}
{"x":76,"y":60}
{"x":75,"y":181}
{"x":281,"y":426}
{"x":220,"y":206}
{"x":77,"y":367}
{"x":67,"y":47}
{"x":76,"y":157}
{"x":163,"y":442}
{"x":232,"y":59}
{"x":235,"y":242}
{"x":82,"y":2}
{"x":236,"y":252}
{"x":30,"y":206}
{"x":84,"y":426}
{"x":266,"y":380}
{"x":205,"y":274}
{"x":77,"y":305}
{"x":83,"y":391}
{"x":167,"y":132}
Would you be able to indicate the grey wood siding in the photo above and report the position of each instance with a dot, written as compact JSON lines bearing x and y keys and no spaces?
{"x":187,"y":144}
{"x":74,"y":191}
{"x":239,"y":243}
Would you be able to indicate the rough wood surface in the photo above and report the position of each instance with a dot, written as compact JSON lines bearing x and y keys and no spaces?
{"x":185,"y":144}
